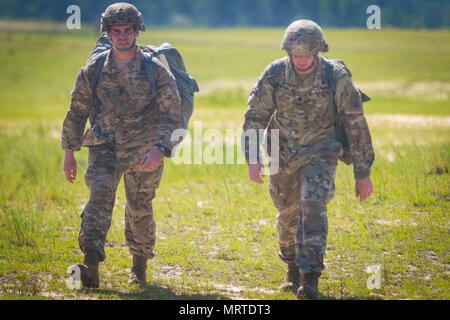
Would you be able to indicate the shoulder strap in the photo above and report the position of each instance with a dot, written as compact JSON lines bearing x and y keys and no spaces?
{"x":330,"y":80}
{"x":98,"y":66}
{"x":329,"y":72}
{"x":279,"y":66}
{"x":151,"y":70}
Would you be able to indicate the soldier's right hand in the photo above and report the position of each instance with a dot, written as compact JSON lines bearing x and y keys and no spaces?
{"x":70,"y":166}
{"x":254,"y":170}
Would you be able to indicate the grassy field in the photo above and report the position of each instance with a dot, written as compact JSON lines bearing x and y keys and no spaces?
{"x":216,"y":234}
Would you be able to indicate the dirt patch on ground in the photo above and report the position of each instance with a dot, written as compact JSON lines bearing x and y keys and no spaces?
{"x":236,"y":291}
{"x":408,"y":120}
{"x":228,"y":290}
{"x":207,"y":88}
{"x":430,"y":90}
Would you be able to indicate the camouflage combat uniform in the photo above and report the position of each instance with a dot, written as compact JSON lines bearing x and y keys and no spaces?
{"x":129,"y":122}
{"x":302,"y":108}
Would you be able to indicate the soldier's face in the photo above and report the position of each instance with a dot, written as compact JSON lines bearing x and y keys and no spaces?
{"x":123,"y":37}
{"x":303,"y":64}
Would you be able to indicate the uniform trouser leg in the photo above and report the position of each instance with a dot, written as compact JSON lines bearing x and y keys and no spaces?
{"x":317,"y":190}
{"x":284,"y":189}
{"x":102,"y":178}
{"x":140,"y":227}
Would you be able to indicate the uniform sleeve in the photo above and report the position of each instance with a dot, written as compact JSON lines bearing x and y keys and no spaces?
{"x":169,"y":103}
{"x":80,"y":107}
{"x":261,"y":103}
{"x":261,"y":107}
{"x":349,"y":104}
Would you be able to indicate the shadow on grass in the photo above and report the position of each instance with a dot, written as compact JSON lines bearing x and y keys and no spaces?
{"x":152,"y":292}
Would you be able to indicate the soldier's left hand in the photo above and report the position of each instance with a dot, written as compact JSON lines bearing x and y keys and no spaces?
{"x":152,"y":160}
{"x":255,"y":171}
{"x":363,"y":188}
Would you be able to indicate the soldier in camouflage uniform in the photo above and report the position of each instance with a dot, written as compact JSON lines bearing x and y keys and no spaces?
{"x":293,"y":95}
{"x":129,"y":136}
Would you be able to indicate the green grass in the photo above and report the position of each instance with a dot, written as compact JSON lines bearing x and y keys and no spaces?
{"x":216,"y":235}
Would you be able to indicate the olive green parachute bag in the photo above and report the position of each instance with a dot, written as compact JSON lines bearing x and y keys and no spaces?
{"x":346,"y":155}
{"x":166,"y":54}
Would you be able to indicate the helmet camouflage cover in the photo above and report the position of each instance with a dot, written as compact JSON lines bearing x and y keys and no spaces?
{"x":119,"y":14}
{"x":304,"y":38}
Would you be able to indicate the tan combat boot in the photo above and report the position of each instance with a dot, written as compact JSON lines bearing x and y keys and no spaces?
{"x":138,"y":270}
{"x":292,"y":279}
{"x":89,"y":270}
{"x":309,"y":288}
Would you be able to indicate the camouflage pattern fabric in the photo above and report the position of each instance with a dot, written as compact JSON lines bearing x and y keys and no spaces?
{"x":303,"y":110}
{"x":127,"y":115}
{"x":102,"y":177}
{"x":129,"y":122}
{"x":301,"y":196}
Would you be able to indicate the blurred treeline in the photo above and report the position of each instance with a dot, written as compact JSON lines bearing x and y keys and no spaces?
{"x":230,"y":13}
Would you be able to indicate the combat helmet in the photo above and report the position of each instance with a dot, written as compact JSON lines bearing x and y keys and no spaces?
{"x":121,"y":13}
{"x":304,"y":38}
